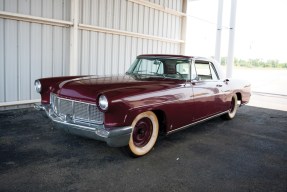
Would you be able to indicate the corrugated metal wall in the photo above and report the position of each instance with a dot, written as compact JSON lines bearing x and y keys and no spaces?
{"x":102,"y":53}
{"x":29,"y":51}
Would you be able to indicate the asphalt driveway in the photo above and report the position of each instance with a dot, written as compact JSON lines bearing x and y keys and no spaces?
{"x":248,"y":153}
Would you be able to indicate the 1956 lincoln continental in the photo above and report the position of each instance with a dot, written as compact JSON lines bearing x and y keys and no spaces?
{"x":163,"y":93}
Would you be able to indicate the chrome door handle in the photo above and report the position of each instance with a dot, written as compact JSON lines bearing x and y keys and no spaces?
{"x":218,"y":85}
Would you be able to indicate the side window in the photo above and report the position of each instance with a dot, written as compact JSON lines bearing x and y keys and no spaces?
{"x":213,"y":72}
{"x":205,"y":71}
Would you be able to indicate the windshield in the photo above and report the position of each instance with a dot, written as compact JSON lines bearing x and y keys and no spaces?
{"x":158,"y":67}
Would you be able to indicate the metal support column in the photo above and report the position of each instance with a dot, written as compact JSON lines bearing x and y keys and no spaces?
{"x":230,"y":56}
{"x":217,"y":54}
{"x":74,"y":37}
{"x":184,"y":27}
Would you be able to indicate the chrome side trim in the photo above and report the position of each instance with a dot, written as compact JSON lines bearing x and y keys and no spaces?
{"x":195,"y":123}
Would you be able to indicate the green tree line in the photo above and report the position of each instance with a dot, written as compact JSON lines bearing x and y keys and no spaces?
{"x":255,"y":63}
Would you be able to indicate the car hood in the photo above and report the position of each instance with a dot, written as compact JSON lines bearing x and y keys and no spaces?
{"x":115,"y":87}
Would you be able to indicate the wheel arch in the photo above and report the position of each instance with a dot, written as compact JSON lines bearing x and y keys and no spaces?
{"x":161,"y":116}
{"x":239,"y":96}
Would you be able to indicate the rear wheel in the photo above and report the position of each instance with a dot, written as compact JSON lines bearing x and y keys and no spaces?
{"x":144,"y":134}
{"x":233,"y":108}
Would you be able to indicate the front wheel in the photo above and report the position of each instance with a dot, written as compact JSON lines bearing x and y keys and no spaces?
{"x":144,"y":134}
{"x":233,"y":108}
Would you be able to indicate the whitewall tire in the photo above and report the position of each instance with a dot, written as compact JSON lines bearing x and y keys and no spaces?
{"x":144,"y":134}
{"x":232,"y":109}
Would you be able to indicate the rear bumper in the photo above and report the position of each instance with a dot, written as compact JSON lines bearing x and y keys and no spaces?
{"x":115,"y":137}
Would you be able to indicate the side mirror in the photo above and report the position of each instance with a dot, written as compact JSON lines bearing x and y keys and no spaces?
{"x":226,"y":81}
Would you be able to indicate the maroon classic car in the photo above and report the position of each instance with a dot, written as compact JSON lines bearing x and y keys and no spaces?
{"x":159,"y":93}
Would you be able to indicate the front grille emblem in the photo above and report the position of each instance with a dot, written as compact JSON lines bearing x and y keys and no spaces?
{"x":68,"y":118}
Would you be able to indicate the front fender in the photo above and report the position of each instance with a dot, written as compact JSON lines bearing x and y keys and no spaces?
{"x":123,"y":111}
{"x":50,"y":84}
{"x":121,"y":114}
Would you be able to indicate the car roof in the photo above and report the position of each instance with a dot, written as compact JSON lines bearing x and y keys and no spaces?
{"x":164,"y":56}
{"x":171,"y":56}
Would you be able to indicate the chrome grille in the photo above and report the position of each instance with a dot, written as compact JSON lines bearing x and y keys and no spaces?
{"x":79,"y":112}
{"x":95,"y":113}
{"x":65,"y":107}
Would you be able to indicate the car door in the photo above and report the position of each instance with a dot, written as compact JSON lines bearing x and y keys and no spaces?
{"x":207,"y":94}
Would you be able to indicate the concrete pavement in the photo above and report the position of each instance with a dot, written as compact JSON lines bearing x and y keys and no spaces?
{"x":248,"y":153}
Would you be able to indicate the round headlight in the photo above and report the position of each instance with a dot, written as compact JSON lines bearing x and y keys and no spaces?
{"x":103,"y":102}
{"x":38,"y":86}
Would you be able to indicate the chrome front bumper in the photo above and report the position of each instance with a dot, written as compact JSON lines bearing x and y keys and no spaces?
{"x":116,"y":137}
